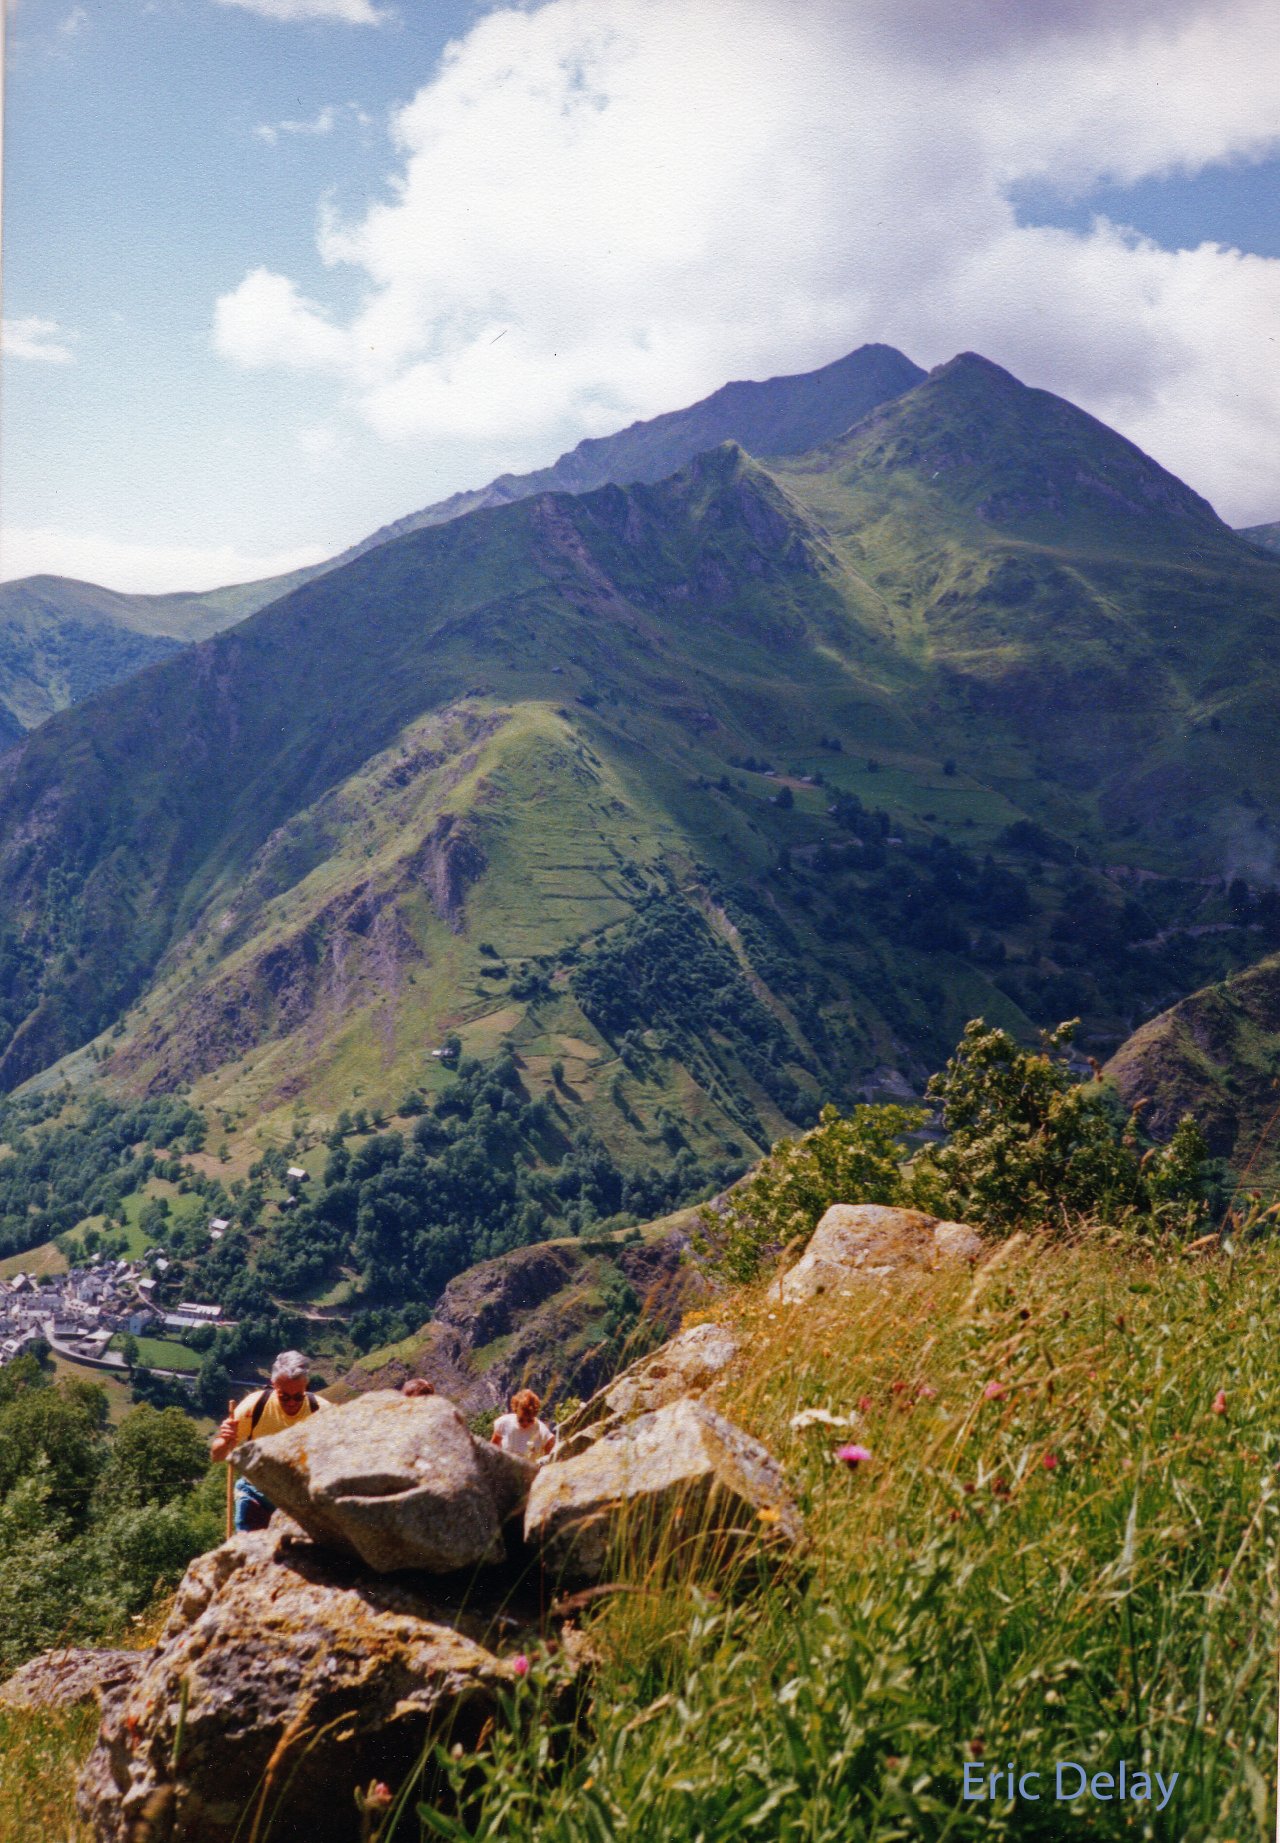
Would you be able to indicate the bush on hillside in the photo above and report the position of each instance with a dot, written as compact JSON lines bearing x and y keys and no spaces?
{"x":1030,"y":1146}
{"x":854,"y":1158}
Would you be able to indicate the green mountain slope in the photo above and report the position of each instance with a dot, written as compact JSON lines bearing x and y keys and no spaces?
{"x":1268,"y":536}
{"x":712,"y":798}
{"x":1215,"y":1054}
{"x":60,"y":639}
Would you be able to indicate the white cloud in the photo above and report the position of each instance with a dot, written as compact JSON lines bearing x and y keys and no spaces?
{"x":41,"y":340}
{"x":144,"y":569}
{"x":74,"y":23}
{"x":605,"y":208}
{"x":323,"y":122}
{"x":267,"y":322}
{"x":350,"y":12}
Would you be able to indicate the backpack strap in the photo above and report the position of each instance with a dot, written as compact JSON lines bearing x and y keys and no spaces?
{"x":312,"y":1404}
{"x":258,"y":1410}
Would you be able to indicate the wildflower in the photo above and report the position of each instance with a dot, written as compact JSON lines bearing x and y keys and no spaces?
{"x":1220,"y":1402}
{"x":994,"y":1391}
{"x":853,"y":1455}
{"x":896,"y":1388}
{"x":1050,"y":1462}
{"x":864,"y":1404}
{"x":520,"y":1665}
{"x":1000,"y":1487}
{"x":977,"y":1749}
{"x":925,"y":1391}
{"x":378,"y":1797}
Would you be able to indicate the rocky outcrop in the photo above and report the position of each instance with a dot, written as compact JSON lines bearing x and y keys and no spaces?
{"x":682,"y":1467}
{"x":448,"y":862}
{"x":400,"y":1482}
{"x":854,"y":1241}
{"x":534,"y":1318}
{"x":684,"y":1366}
{"x":284,"y":1680}
{"x":59,"y":1679}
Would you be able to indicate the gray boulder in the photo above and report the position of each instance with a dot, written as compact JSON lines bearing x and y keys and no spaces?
{"x":59,"y":1679}
{"x":684,"y":1366}
{"x":854,"y":1241}
{"x":400,"y":1482}
{"x":284,"y":1680}
{"x":680,"y":1485}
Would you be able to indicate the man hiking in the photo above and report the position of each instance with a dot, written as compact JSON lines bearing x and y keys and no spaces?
{"x":287,"y":1402}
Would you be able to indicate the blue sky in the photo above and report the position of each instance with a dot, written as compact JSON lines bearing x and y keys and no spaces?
{"x":279,"y":271}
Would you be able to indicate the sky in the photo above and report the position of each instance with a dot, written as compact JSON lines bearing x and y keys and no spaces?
{"x":277,"y":272}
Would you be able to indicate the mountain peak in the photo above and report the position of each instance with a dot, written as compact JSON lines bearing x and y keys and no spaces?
{"x":1029,"y":462}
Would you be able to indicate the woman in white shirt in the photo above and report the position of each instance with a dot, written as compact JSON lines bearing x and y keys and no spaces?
{"x":521,"y":1432}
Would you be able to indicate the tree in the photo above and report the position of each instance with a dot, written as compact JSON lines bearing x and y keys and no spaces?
{"x":1030,"y":1145}
{"x":156,"y":1456}
{"x":129,"y":1350}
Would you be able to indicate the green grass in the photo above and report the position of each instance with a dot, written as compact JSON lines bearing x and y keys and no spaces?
{"x":41,"y":1753}
{"x":1079,"y":1567}
{"x":162,"y":1353}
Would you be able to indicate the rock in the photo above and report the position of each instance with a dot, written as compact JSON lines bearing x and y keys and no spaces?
{"x":684,"y":1366}
{"x":58,"y":1679}
{"x":285,"y":1678}
{"x":401,"y":1482}
{"x":682,"y":1462}
{"x":856,"y":1239}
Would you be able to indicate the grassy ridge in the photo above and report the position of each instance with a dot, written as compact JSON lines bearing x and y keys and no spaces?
{"x":1058,"y":1550}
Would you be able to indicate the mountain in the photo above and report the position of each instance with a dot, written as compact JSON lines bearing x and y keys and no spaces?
{"x":712,"y":798}
{"x":1215,"y":1054}
{"x":780,"y":416}
{"x":1268,"y":536}
{"x":60,"y":639}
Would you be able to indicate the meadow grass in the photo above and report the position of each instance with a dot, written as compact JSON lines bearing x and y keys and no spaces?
{"x":1060,"y":1549}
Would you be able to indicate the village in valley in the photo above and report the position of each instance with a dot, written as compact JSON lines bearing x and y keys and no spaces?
{"x":79,"y":1314}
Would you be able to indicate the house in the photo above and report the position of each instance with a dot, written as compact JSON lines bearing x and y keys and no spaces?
{"x":201,"y":1314}
{"x":219,"y":1226}
{"x":296,"y":1175}
{"x":161,"y":1265}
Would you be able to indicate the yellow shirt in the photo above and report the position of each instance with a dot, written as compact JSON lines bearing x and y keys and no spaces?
{"x":273,"y":1418}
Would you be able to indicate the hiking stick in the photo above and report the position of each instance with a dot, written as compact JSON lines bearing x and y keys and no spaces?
{"x":231,"y":1485}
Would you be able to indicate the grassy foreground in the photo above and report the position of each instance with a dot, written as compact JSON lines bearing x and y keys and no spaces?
{"x":1063,"y":1547}
{"x":1060,"y":1549}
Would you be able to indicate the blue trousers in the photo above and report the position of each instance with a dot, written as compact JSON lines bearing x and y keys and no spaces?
{"x":251,"y":1509}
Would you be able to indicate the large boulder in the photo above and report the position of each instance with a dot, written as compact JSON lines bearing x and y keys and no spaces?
{"x":858,"y":1240}
{"x":679,"y":1482}
{"x":399,"y":1481}
{"x":684,"y":1366}
{"x":285,"y":1678}
{"x":59,"y":1679}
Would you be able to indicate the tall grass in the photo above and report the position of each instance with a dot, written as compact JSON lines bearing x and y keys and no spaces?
{"x":1061,"y":1549}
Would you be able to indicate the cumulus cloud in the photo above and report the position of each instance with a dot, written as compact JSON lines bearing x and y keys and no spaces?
{"x":350,"y":12}
{"x":605,"y":208}
{"x":139,"y":569}
{"x":41,"y":340}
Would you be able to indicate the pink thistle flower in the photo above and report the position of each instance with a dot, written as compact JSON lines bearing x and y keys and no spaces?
{"x":1050,"y":1462}
{"x":994,"y":1391}
{"x":865,"y":1404}
{"x":520,"y":1665}
{"x":1220,"y":1402}
{"x":379,"y":1797}
{"x":853,"y":1455}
